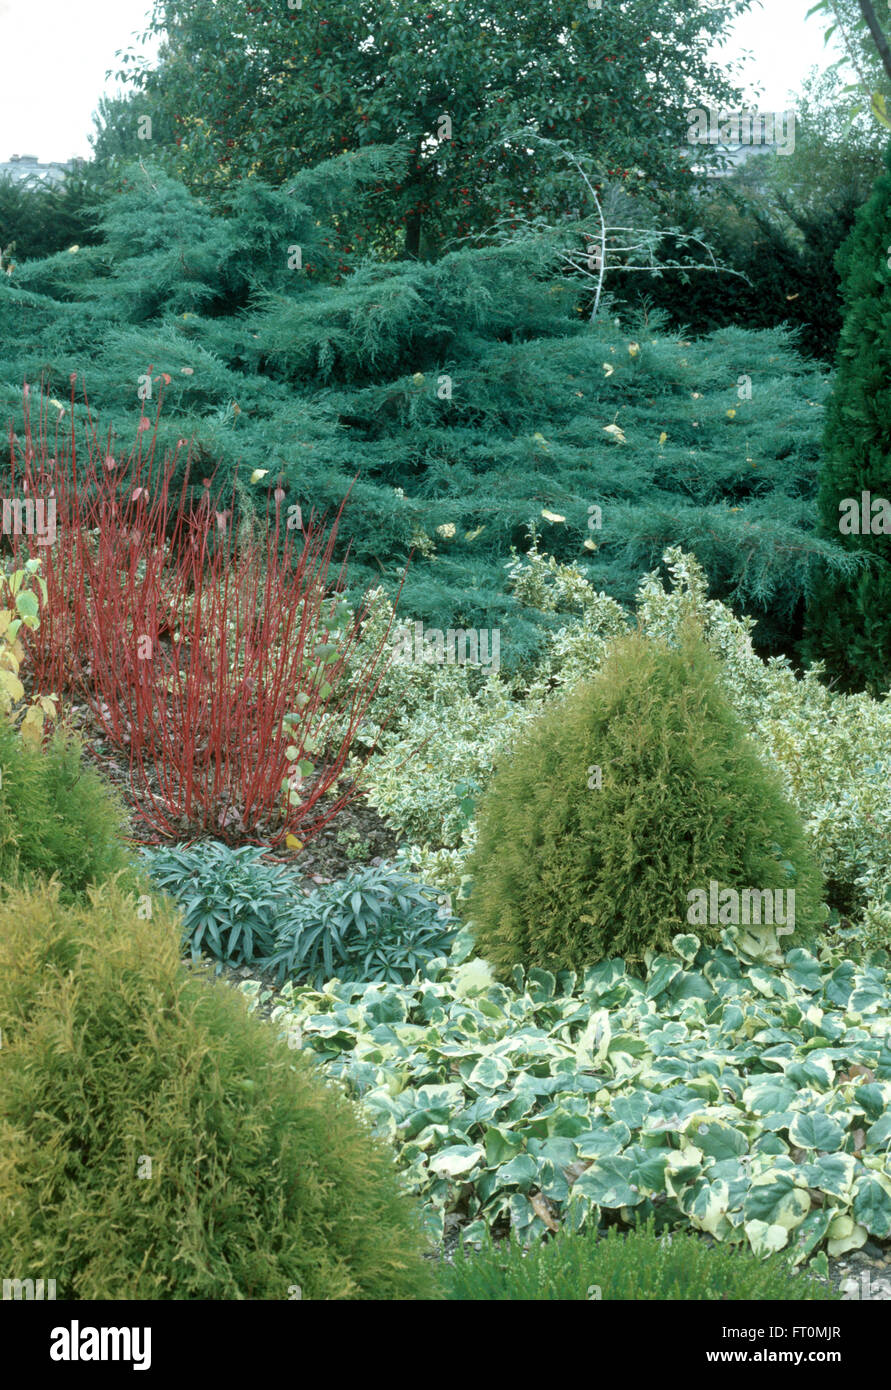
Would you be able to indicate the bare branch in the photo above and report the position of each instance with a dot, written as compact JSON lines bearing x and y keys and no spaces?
{"x":878,"y":34}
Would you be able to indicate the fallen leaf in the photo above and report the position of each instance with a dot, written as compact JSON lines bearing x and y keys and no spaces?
{"x":857,"y":1069}
{"x":542,"y":1209}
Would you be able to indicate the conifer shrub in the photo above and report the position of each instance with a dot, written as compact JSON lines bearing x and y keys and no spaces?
{"x":637,"y":790}
{"x":848,"y":623}
{"x":56,"y":815}
{"x":265,"y":368}
{"x":638,"y":1266}
{"x":157,"y":1141}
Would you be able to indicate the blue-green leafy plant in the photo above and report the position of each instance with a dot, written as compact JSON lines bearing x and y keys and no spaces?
{"x":377,"y":924}
{"x":232,"y":901}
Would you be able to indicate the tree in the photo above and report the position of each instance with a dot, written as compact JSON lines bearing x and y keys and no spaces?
{"x":867,"y":50}
{"x":122,"y":132}
{"x":849,"y":618}
{"x":779,"y":220}
{"x":266,"y":90}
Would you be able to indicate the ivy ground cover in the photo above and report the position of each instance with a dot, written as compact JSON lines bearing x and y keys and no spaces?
{"x":739,"y":1099}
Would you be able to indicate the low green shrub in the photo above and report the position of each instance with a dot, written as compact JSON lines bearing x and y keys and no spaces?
{"x":619,"y":802}
{"x":231,"y":900}
{"x":377,"y":924}
{"x":639,"y":1266}
{"x":159,"y":1142}
{"x":56,"y":815}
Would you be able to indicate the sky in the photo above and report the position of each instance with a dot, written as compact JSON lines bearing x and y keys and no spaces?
{"x":57,"y":52}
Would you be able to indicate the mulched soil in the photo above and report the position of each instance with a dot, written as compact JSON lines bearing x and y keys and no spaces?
{"x":354,"y":837}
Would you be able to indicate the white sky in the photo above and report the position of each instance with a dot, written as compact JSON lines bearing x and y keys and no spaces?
{"x":56,"y":53}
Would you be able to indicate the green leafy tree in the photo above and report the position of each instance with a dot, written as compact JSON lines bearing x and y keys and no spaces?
{"x":778,"y":220}
{"x":266,"y":90}
{"x":867,"y":51}
{"x":125,"y":129}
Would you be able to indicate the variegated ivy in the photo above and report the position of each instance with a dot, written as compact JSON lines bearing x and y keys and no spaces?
{"x":747,"y":1100}
{"x":20,"y":607}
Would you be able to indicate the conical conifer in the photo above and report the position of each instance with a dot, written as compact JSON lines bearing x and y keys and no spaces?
{"x":604,"y":830}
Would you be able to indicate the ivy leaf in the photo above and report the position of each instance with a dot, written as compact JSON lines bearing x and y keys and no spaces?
{"x":815,"y":1130}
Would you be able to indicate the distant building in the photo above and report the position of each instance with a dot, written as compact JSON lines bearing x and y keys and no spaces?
{"x":27,"y":168}
{"x":738,"y":136}
{"x":738,"y":155}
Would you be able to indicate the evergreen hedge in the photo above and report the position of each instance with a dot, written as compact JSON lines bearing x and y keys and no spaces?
{"x":849,"y":614}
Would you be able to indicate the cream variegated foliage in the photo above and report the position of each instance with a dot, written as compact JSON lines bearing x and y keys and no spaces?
{"x":833,"y":750}
{"x":477,"y":1086}
{"x":20,"y":608}
{"x":449,"y":723}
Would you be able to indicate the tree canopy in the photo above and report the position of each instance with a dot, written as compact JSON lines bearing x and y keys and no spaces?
{"x":269,"y":89}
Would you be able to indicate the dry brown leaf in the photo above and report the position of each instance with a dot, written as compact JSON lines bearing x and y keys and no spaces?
{"x":542,"y":1208}
{"x":576,"y":1169}
{"x":857,"y":1069}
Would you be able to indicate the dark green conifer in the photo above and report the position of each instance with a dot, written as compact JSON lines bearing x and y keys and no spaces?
{"x":849,"y":614}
